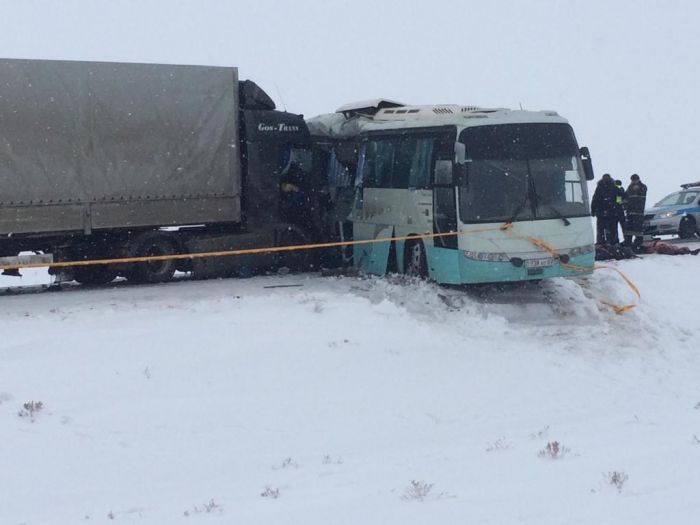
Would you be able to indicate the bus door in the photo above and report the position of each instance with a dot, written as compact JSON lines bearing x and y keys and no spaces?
{"x":444,"y":200}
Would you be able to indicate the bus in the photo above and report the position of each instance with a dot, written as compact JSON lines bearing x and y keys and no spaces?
{"x":460,"y":194}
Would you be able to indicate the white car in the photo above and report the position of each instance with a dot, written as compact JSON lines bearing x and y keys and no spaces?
{"x":677,"y":213}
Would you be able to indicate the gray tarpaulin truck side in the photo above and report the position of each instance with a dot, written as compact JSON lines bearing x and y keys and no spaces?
{"x":85,"y":146}
{"x":96,"y":158}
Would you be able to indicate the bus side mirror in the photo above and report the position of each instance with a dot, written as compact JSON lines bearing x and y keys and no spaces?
{"x":460,"y":153}
{"x":587,"y":163}
{"x":460,"y":166}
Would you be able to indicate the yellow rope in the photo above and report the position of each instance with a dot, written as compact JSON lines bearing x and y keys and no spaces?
{"x":506,"y":228}
{"x":223,"y":253}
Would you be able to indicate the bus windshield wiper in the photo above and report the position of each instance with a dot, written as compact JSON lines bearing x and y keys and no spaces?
{"x":559,"y":214}
{"x":518,"y":208}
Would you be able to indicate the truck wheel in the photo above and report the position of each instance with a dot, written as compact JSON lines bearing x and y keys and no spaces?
{"x":415,"y":263}
{"x":154,"y":271}
{"x":97,"y":274}
{"x":686,"y":229}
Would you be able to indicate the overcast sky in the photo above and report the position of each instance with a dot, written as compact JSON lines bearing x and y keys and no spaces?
{"x":625,"y":73}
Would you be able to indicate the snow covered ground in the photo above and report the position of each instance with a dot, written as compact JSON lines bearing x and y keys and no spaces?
{"x":351,"y":400}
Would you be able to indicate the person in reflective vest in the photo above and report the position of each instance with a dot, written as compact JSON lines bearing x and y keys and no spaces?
{"x":619,"y":212}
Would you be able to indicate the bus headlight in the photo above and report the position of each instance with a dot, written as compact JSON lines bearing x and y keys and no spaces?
{"x":581,"y":250}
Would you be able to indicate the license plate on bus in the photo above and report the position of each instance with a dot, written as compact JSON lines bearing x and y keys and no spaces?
{"x":539,"y":263}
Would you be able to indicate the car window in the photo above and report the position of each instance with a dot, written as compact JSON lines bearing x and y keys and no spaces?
{"x":678,"y":198}
{"x":690,"y":197}
{"x":669,"y":200}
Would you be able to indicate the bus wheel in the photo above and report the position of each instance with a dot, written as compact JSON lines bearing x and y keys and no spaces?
{"x":686,"y":229}
{"x":97,"y":274}
{"x":415,"y":263}
{"x":154,"y":271}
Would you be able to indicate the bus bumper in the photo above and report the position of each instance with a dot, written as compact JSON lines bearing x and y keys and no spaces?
{"x":448,"y":266}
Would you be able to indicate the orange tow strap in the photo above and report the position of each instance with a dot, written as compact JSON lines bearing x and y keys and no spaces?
{"x":506,"y":228}
{"x":620,"y":309}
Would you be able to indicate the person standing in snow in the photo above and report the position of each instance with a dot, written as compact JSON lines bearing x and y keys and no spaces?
{"x":619,"y":212}
{"x":636,"y":198}
{"x":603,"y":209}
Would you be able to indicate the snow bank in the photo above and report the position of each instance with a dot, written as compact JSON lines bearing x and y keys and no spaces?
{"x":321,"y":403}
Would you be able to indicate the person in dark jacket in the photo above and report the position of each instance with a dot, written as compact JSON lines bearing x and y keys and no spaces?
{"x":636,"y":198}
{"x":603,"y":209}
{"x":619,"y":212}
{"x":294,"y":199}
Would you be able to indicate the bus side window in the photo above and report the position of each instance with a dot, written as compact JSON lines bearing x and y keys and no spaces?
{"x":379,"y":166}
{"x":572,"y":187}
{"x":360,"y":171}
{"x":404,"y":160}
{"x":443,"y":172}
{"x":420,"y":162}
{"x":412,"y":162}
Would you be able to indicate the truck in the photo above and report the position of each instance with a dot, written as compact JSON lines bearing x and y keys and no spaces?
{"x":104,"y":161}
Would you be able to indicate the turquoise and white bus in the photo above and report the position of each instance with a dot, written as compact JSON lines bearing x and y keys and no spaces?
{"x":464,"y":194}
